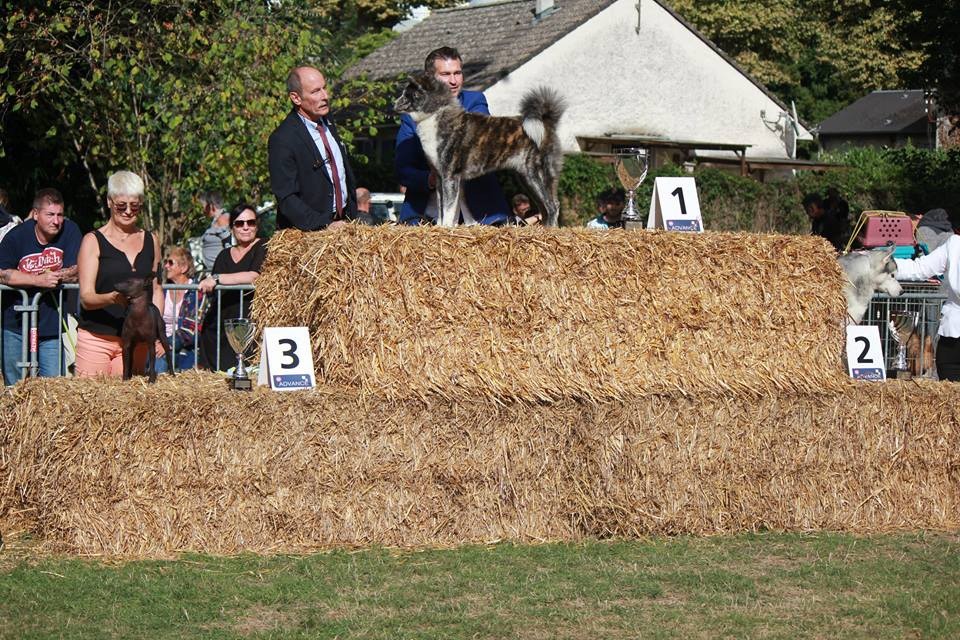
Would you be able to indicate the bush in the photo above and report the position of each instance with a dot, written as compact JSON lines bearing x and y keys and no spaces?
{"x":908,"y":179}
{"x":930,"y":179}
{"x":582,"y":181}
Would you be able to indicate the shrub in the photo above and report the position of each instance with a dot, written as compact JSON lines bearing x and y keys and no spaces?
{"x":907,"y":179}
{"x":582,"y":180}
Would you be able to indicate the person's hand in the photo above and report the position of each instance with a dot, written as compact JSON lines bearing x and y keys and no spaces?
{"x":47,"y":279}
{"x":337,"y":224}
{"x":207,"y":284}
{"x":69,"y":274}
{"x":118,"y":298}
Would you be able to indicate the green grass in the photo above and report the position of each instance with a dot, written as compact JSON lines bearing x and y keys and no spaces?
{"x":747,"y":586}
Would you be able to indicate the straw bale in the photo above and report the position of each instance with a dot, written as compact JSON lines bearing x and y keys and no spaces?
{"x":107,"y":467}
{"x":543,"y":314}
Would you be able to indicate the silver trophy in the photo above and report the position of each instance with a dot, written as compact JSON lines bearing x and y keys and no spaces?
{"x":902,"y":324}
{"x":240,"y":332}
{"x":632,"y":166}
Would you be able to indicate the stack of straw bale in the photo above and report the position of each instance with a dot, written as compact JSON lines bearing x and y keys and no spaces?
{"x":479,"y":384}
{"x":545,"y":314}
{"x":134,"y":469}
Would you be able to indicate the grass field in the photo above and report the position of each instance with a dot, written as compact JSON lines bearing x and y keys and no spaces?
{"x":746,"y":586}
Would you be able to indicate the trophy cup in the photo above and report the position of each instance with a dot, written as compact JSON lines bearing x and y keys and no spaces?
{"x":632,"y":165}
{"x":240,"y":332}
{"x":902,"y":324}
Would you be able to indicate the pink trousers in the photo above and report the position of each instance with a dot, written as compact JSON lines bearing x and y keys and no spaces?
{"x":99,"y":355}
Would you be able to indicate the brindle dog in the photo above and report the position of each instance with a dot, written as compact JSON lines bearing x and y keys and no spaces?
{"x":462,"y":145}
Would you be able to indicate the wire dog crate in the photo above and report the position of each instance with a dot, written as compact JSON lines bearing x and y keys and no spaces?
{"x":925,"y":298}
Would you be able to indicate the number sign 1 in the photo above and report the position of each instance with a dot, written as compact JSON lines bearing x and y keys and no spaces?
{"x":675,"y":205}
{"x":286,"y":361}
{"x":864,"y":355}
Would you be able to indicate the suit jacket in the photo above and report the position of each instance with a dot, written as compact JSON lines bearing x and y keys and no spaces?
{"x":483,"y":195}
{"x":299,"y":179}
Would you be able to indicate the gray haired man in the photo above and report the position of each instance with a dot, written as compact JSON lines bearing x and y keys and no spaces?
{"x":217,"y":237}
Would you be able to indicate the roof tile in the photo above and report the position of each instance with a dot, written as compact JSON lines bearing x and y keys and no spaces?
{"x":494,"y":39}
{"x":880,"y":112}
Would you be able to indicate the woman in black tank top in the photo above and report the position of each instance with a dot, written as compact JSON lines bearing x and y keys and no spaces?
{"x":118,"y":250}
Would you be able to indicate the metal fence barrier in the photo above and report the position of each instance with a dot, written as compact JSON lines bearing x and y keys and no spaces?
{"x":28,"y":311}
{"x":217,"y":317}
{"x":925,"y":299}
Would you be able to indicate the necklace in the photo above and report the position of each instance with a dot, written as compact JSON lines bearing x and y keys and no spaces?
{"x":123,"y":237}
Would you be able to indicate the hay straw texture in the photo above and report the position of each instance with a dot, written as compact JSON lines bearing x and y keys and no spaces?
{"x":134,"y":469}
{"x":545,"y":314}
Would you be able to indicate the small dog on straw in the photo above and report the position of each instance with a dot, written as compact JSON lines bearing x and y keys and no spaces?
{"x":462,"y":145}
{"x":143,"y":324}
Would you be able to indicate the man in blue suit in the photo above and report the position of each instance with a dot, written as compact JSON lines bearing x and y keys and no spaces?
{"x":483,"y":200}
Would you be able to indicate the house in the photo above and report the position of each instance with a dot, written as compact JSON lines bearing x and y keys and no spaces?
{"x":633,"y":73}
{"x":880,"y":119}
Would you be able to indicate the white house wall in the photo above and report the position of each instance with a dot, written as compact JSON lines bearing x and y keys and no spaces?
{"x":664,"y":81}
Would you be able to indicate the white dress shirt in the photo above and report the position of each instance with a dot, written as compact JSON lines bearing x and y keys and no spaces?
{"x":337,"y":157}
{"x":945,"y":261}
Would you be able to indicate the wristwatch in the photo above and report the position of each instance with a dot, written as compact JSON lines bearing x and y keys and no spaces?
{"x":216,"y":278}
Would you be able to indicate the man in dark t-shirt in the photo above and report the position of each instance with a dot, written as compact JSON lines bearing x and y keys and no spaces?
{"x":826,"y":223}
{"x":38,"y":255}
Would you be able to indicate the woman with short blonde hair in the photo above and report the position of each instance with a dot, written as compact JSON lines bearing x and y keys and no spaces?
{"x":125,"y":183}
{"x":184,"y":259}
{"x":180,"y":310}
{"x":118,"y":250}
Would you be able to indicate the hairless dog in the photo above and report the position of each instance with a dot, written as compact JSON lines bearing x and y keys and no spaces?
{"x":143,"y":324}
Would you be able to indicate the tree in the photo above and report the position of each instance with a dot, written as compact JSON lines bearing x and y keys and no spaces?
{"x":385,"y":13}
{"x":184,"y":92}
{"x":935,"y":31}
{"x":822,"y":54}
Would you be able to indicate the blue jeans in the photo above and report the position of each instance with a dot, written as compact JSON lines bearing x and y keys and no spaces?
{"x":182,"y":360}
{"x":49,"y":356}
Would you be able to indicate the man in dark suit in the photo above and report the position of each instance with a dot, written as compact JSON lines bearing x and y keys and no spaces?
{"x":483,"y":200}
{"x":310,"y":172}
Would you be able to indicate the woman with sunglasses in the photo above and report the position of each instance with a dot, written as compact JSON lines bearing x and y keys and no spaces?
{"x":118,"y":250}
{"x":180,"y":310}
{"x":239,"y":264}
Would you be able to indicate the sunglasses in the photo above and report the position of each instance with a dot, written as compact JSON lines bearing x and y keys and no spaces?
{"x":168,"y":262}
{"x":123,"y":206}
{"x":244,"y":223}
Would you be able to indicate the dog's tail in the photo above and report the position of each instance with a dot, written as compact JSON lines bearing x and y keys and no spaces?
{"x":541,"y":109}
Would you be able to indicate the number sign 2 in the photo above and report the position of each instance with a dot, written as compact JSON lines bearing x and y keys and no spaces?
{"x":675,"y":205}
{"x":864,"y":355}
{"x":286,"y":361}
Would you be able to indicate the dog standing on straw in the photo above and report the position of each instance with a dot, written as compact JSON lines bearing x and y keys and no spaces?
{"x":462,"y":145}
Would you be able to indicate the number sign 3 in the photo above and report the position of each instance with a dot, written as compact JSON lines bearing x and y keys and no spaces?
{"x":286,"y":362}
{"x":290,"y":359}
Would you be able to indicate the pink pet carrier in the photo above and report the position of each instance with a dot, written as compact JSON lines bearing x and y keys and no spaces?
{"x":885,"y":227}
